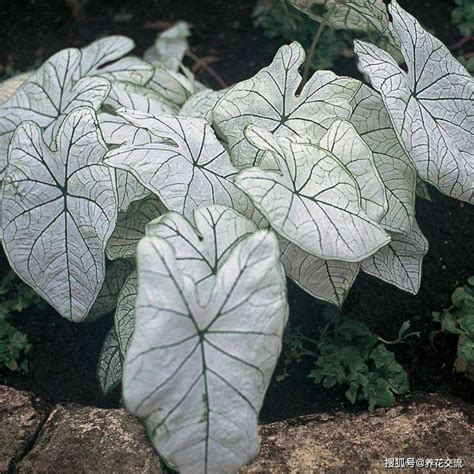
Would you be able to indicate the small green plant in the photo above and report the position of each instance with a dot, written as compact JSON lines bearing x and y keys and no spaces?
{"x":281,"y":20}
{"x":348,"y":353}
{"x":15,"y":297}
{"x":459,"y":319}
{"x":463,"y":17}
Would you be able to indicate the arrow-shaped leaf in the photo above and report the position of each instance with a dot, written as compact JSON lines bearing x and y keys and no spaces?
{"x":221,"y":355}
{"x":189,"y":170}
{"x":269,"y":101}
{"x":59,"y":209}
{"x":200,"y":250}
{"x":313,"y":202}
{"x":431,"y":106}
{"x":104,"y":58}
{"x":47,"y":96}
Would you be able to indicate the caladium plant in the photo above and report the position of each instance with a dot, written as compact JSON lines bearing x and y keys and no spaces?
{"x":59,"y":209}
{"x":430,"y":106}
{"x":114,"y":160}
{"x":210,"y":315}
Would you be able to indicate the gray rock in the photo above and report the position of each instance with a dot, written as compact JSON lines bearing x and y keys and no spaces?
{"x":21,"y":417}
{"x":424,"y":426}
{"x":76,"y":439}
{"x":91,"y":440}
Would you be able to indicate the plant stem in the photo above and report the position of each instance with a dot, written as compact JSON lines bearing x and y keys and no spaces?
{"x":307,"y":339}
{"x":400,"y":340}
{"x":207,"y":68}
{"x":313,"y":46}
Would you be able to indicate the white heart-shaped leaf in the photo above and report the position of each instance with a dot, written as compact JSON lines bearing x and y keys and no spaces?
{"x":131,"y":225}
{"x":313,"y":201}
{"x":100,"y":59}
{"x":59,"y":209}
{"x":328,"y":280}
{"x":399,"y":262}
{"x":221,"y":355}
{"x":189,"y":170}
{"x":115,"y":276}
{"x":47,"y":96}
{"x":431,"y":106}
{"x":344,"y":143}
{"x":371,"y":120}
{"x":269,"y":101}
{"x":109,"y":370}
{"x":360,"y":15}
{"x":200,"y":250}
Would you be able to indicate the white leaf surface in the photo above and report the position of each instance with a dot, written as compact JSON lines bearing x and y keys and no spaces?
{"x":116,"y":130}
{"x":115,"y":276}
{"x":131,"y":225}
{"x":371,"y":120}
{"x":221,"y":355}
{"x":344,"y":143}
{"x":313,"y":201}
{"x":328,"y":280}
{"x":109,"y":370}
{"x":399,"y":262}
{"x":47,"y":96}
{"x":360,"y":15}
{"x":124,"y":318}
{"x":104,"y":58}
{"x":59,"y":209}
{"x":200,"y":249}
{"x":269,"y":101}
{"x":174,"y":87}
{"x":170,"y":46}
{"x":8,"y":87}
{"x":143,"y":99}
{"x":431,"y":106}
{"x":129,"y":189}
{"x":201,"y":105}
{"x":190,"y":171}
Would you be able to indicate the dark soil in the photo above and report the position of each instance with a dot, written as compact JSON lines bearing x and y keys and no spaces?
{"x":64,"y":355}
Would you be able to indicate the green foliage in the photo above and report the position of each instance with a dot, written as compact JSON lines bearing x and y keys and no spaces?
{"x":281,"y":20}
{"x":348,"y":353}
{"x":459,"y":319}
{"x":15,"y":297}
{"x":463,"y":16}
